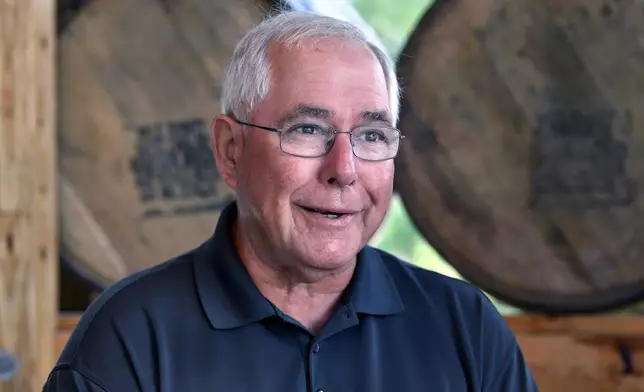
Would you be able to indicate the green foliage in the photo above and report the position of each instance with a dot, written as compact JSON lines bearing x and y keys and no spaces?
{"x":398,"y":235}
{"x":393,"y":20}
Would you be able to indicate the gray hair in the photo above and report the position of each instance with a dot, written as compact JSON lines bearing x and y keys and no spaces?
{"x":246,"y":80}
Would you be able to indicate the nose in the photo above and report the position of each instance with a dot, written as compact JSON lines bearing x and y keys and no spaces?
{"x":339,"y":164}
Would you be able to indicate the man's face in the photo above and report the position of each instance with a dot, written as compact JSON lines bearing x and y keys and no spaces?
{"x":333,"y":83}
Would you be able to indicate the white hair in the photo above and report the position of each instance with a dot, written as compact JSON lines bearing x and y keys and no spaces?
{"x":246,"y":80}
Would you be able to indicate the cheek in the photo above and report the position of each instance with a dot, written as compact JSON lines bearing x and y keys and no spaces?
{"x":283,"y":175}
{"x":379,"y":183}
{"x":271,"y":175}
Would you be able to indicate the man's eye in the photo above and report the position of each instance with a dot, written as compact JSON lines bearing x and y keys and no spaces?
{"x":306,"y":129}
{"x":373,"y":136}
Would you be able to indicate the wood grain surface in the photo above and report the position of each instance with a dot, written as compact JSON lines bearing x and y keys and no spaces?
{"x":140,"y":83}
{"x":28,"y":202}
{"x":524,"y":158}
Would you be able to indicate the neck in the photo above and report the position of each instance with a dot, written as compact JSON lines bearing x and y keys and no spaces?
{"x":308,"y":295}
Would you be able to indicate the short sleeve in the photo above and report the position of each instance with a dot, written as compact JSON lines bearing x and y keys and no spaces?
{"x":514,"y":374}
{"x":504,"y":366}
{"x":66,"y":379}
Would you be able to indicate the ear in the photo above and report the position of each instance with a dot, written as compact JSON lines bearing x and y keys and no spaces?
{"x":227,"y":144}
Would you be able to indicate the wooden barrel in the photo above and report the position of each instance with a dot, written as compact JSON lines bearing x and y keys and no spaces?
{"x":524,"y":158}
{"x":139,"y":84}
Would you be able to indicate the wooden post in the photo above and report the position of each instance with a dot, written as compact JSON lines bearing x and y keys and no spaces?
{"x":28,"y":200}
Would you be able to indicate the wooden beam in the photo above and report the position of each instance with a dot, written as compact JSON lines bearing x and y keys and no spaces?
{"x":28,"y":201}
{"x":580,"y":326}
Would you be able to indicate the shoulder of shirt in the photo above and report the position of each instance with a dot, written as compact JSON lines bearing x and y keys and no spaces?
{"x":127,"y":296}
{"x":428,"y":279}
{"x":460,"y":308}
{"x":443,"y":299}
{"x":425,"y":287}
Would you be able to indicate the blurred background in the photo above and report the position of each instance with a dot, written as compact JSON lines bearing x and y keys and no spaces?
{"x":520,"y":172}
{"x":392,"y":22}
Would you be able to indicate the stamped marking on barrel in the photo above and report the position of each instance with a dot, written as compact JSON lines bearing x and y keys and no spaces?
{"x":576,"y":160}
{"x":175,"y":171}
{"x":452,"y":186}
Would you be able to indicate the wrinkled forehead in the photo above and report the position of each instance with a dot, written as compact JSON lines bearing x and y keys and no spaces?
{"x":327,"y":80}
{"x":311,"y":111}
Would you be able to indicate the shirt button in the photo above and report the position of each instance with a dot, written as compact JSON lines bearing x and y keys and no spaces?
{"x":316,"y":348}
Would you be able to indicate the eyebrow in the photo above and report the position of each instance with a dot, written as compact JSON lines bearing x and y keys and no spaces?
{"x":381,"y":116}
{"x":303,"y":110}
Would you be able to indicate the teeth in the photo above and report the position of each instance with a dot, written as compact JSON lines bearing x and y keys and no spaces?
{"x":332,"y":216}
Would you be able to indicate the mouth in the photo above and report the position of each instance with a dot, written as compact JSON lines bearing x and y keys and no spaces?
{"x":330,"y":214}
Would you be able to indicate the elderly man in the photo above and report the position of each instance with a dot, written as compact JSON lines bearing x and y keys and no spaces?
{"x":286,"y":295}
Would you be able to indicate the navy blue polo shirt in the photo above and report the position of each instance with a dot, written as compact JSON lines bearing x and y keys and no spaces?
{"x":198,"y":323}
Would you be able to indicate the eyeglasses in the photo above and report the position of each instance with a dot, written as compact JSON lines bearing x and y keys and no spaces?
{"x":311,"y":140}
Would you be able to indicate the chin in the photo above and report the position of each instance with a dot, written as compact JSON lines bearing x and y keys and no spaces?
{"x":331,"y":254}
{"x":329,"y":265}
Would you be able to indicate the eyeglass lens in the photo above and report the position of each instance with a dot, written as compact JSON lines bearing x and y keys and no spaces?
{"x":369,"y":142}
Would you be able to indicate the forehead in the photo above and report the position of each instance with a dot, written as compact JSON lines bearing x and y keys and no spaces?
{"x":337,"y":78}
{"x":312,"y":111}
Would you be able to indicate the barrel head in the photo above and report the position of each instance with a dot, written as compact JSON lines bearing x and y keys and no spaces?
{"x":139,"y":86}
{"x":524,"y":159}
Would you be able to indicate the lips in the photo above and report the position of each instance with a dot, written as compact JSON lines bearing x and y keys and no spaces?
{"x":331,"y":213}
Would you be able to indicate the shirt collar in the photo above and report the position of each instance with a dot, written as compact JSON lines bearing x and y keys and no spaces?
{"x":231,"y":299}
{"x":372,"y":289}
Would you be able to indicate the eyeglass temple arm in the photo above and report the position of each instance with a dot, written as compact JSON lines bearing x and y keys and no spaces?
{"x":258,"y":126}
